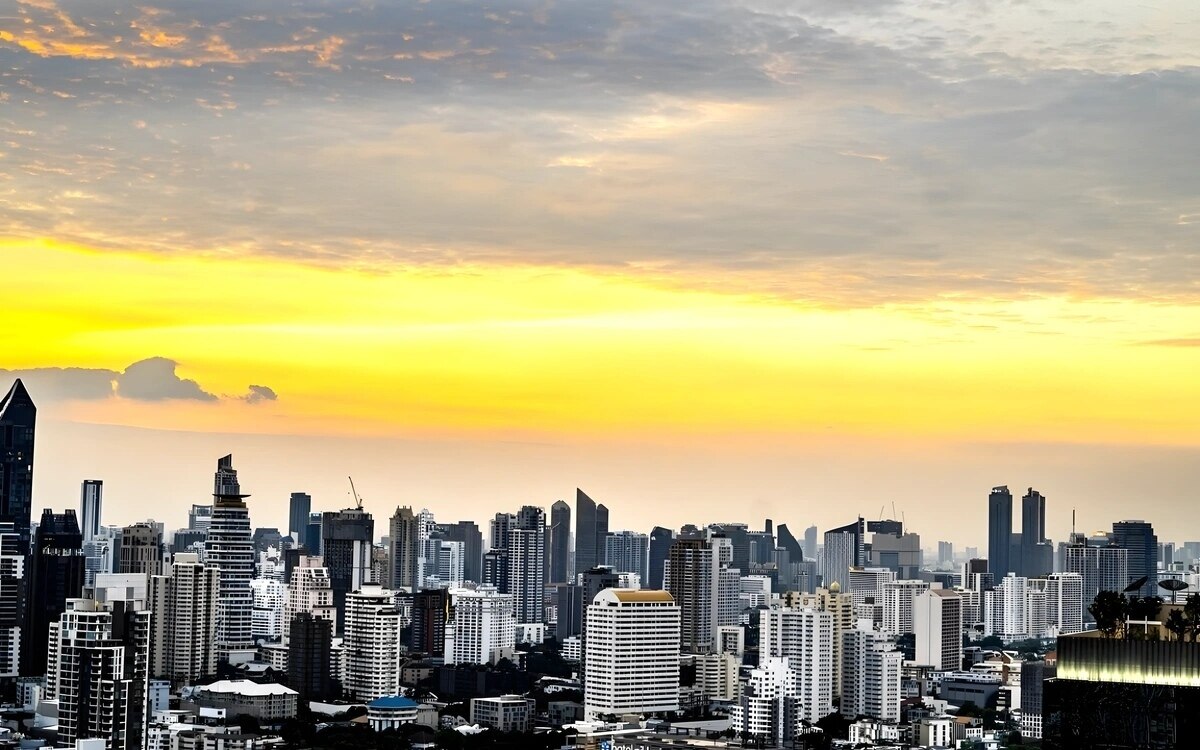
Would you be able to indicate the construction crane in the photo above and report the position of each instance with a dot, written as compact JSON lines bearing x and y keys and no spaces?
{"x":354,"y":492}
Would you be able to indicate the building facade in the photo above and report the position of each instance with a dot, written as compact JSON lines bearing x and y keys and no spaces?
{"x":631,"y":659}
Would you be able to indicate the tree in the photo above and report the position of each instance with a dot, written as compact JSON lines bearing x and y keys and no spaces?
{"x":1177,"y":624}
{"x":1110,"y":609}
{"x":1191,"y":613}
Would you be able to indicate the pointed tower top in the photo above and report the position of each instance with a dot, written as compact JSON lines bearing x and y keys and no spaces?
{"x":16,"y":401}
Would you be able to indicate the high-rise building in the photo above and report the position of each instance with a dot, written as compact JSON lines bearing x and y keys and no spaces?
{"x":871,"y":666}
{"x":770,"y":706}
{"x":54,"y":574}
{"x":810,"y":543}
{"x":1064,"y":602}
{"x":310,"y":670}
{"x":626,"y":552}
{"x":945,"y":553}
{"x":267,"y":618}
{"x":526,"y":569}
{"x":561,"y":565}
{"x":591,"y":526}
{"x":312,"y":535}
{"x":431,"y":612}
{"x":1138,"y":537}
{"x":472,"y":540}
{"x":372,"y":643}
{"x":98,"y":671}
{"x":1005,"y":608}
{"x":632,"y":654}
{"x":938,"y":622}
{"x":91,"y":505}
{"x":230,"y":547}
{"x":183,"y":603}
{"x":347,"y":538}
{"x":591,"y":582}
{"x":141,"y":550}
{"x":482,"y":627}
{"x":843,"y":550}
{"x":900,"y":553}
{"x":200,"y":517}
{"x":898,"y":598}
{"x":805,"y":638}
{"x":450,"y":567}
{"x":18,"y":419}
{"x":660,"y":547}
{"x":698,"y":577}
{"x":299,"y":506}
{"x":12,"y":574}
{"x":1037,"y":558}
{"x":403,"y":541}
{"x":1104,"y":568}
{"x":310,"y":591}
{"x":788,"y":541}
{"x":999,"y":531}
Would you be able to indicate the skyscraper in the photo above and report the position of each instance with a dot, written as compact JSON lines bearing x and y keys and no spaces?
{"x":526,"y":572}
{"x":431,"y":612}
{"x":870,"y":674}
{"x":810,"y":542}
{"x":230,"y":548}
{"x":1138,"y":537}
{"x":631,"y":664}
{"x":183,"y":603}
{"x":310,"y":592}
{"x":372,"y":643}
{"x":404,"y":540}
{"x":18,"y":418}
{"x":805,"y":638}
{"x":98,"y":672}
{"x":660,"y":547}
{"x":54,"y":575}
{"x":91,"y":505}
{"x":299,"y":506}
{"x":559,"y":544}
{"x":1037,"y":556}
{"x":938,"y":622}
{"x":347,"y":538}
{"x":141,"y":550}
{"x":626,"y":552}
{"x":705,"y":587}
{"x":12,"y":572}
{"x":591,"y":526}
{"x":843,"y":550}
{"x":769,"y":707}
{"x":468,"y":533}
{"x":788,"y":541}
{"x":310,"y":671}
{"x":999,"y":532}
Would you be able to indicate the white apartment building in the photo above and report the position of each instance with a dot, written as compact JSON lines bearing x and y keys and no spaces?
{"x":1064,"y":602}
{"x":805,"y":638}
{"x":310,"y":590}
{"x":631,"y":653}
{"x":372,"y":643}
{"x":938,"y":623}
{"x":183,"y":603}
{"x":898,"y":599}
{"x":717,"y":675}
{"x":482,"y":627}
{"x":771,"y":706}
{"x":871,"y":667}
{"x":266,"y":619}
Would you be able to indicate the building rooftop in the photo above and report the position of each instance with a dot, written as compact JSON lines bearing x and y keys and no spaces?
{"x":392,"y":701}
{"x":246,"y":687}
{"x":640,"y":595}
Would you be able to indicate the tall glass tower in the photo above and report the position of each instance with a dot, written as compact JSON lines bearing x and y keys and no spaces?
{"x":18,"y":417}
{"x":999,"y":532}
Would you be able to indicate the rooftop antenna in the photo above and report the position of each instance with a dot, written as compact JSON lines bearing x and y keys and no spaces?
{"x":893,"y":510}
{"x":881,"y":507}
{"x":354,"y":492}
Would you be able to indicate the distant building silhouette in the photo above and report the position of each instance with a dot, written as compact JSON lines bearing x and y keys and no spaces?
{"x":299,"y":506}
{"x":999,"y":532}
{"x":1138,"y":537}
{"x":18,"y":418}
{"x":559,"y":544}
{"x":660,"y":546}
{"x":591,"y":526}
{"x":54,"y":575}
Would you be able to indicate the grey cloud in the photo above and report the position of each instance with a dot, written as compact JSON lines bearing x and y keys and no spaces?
{"x":795,"y":145}
{"x":153,"y":379}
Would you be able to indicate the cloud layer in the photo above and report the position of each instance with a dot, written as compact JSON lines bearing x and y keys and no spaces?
{"x":153,"y":379}
{"x":855,"y":152}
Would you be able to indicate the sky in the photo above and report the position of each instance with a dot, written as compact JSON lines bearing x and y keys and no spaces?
{"x":709,"y":261}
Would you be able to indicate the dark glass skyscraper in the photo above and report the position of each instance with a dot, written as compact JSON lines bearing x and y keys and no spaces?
{"x":299,"y":506}
{"x":347,"y":538}
{"x":1037,"y":557}
{"x":591,"y":526}
{"x":660,"y":547}
{"x":53,"y":575}
{"x":1138,"y":537}
{"x":471,"y":537}
{"x":18,"y":417}
{"x":999,"y":532}
{"x":559,"y":543}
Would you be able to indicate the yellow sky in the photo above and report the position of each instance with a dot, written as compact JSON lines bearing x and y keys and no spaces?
{"x":574,"y":353}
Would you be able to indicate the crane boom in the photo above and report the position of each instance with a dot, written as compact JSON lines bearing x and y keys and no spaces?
{"x":354,"y":492}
